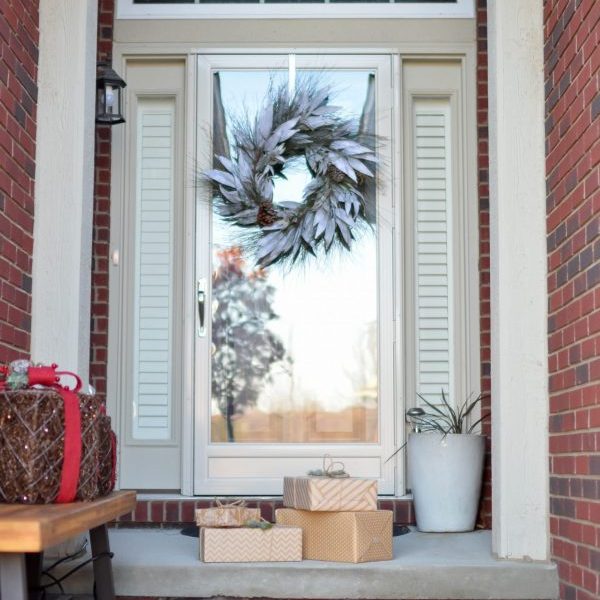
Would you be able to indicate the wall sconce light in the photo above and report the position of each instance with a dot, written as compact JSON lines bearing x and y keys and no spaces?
{"x":109,"y":101}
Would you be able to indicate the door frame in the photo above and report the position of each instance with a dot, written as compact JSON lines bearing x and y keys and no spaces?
{"x":310,"y":455}
{"x":123,"y":52}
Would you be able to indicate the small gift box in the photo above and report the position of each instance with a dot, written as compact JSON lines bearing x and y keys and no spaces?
{"x":247,"y":544}
{"x":343,"y":536}
{"x":330,"y":493}
{"x":232,"y":514}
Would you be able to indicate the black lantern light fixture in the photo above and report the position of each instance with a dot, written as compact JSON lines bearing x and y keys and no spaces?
{"x":109,"y":100}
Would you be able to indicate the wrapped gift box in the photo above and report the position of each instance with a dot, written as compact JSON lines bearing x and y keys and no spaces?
{"x":32,"y":444}
{"x":344,"y":536}
{"x":226,"y":515}
{"x":330,"y":493}
{"x":245,"y":544}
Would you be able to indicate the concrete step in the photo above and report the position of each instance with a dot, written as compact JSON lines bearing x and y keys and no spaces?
{"x":164,"y":564}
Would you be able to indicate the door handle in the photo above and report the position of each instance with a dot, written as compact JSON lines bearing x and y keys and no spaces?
{"x":201,"y":300}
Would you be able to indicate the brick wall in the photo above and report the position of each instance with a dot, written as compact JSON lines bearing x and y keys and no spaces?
{"x":572,"y":56}
{"x":101,"y":232}
{"x":178,"y":513}
{"x":19,"y":37}
{"x":485,"y":513}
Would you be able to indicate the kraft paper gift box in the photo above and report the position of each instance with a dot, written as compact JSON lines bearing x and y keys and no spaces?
{"x":344,"y":536}
{"x":330,"y":493}
{"x":280,"y":543}
{"x":234,"y":514}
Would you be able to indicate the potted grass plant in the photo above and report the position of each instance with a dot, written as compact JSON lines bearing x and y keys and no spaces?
{"x":445,"y":464}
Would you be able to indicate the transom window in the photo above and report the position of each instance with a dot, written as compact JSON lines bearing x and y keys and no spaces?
{"x":219,"y":9}
{"x":296,"y":2}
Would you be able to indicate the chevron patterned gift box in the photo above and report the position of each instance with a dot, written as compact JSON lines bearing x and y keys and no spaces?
{"x":280,"y":543}
{"x":330,"y":493}
{"x":343,"y":536}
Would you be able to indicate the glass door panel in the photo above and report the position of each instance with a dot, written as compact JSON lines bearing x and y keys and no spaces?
{"x":296,"y":360}
{"x":294,"y":349}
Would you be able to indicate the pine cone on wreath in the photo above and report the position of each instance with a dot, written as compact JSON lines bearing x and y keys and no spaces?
{"x":335,"y":174}
{"x":266,"y":215}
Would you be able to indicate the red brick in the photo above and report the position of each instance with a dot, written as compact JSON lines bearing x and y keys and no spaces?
{"x":157,"y":510}
{"x":18,"y":71}
{"x":188,"y":508}
{"x":172,"y":514}
{"x":141,"y":511}
{"x":266,"y":511}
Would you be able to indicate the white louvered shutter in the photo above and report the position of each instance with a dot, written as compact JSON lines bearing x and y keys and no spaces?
{"x":433,"y":254}
{"x":152,"y":408}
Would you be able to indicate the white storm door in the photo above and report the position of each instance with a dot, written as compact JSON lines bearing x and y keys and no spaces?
{"x":298,"y":362}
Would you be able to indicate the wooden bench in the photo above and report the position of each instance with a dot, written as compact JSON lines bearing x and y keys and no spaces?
{"x":27,"y":530}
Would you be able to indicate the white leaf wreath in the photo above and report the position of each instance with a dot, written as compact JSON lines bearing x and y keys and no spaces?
{"x":336,"y":154}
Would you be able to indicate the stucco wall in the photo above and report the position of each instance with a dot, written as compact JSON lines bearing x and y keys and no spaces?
{"x":19,"y":38}
{"x":572,"y":54}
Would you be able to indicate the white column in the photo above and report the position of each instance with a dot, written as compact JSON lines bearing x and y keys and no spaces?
{"x":62,"y":251}
{"x":518,"y":280}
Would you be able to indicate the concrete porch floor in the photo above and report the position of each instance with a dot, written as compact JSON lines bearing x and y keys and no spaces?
{"x":156,"y":563}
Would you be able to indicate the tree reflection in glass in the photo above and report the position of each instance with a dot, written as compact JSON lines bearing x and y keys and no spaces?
{"x":245,"y":349}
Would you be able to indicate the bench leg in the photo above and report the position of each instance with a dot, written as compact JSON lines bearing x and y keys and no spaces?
{"x":33,"y":567}
{"x":13,"y":580}
{"x":103,"y":575}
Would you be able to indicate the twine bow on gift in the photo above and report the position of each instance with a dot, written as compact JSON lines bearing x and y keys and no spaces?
{"x":260,"y":523}
{"x":232,"y":513}
{"x":235,"y":504}
{"x":331,"y":468}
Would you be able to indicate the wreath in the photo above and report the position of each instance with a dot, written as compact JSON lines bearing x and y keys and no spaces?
{"x":334,"y":204}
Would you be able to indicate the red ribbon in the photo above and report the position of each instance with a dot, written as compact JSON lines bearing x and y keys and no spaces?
{"x":69,"y":477}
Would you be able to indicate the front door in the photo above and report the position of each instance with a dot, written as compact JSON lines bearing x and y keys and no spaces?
{"x":293,"y":360}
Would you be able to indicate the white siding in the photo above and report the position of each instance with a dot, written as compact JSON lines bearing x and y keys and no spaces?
{"x":152,"y":405}
{"x":433,"y":249}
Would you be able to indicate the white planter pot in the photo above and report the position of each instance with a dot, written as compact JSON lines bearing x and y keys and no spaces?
{"x":445,"y":476}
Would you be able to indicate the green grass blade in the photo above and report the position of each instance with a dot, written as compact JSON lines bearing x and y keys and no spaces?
{"x":473,"y":404}
{"x":440,"y":412}
{"x":457,"y":425}
{"x":394,"y":453}
{"x":478,"y":421}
